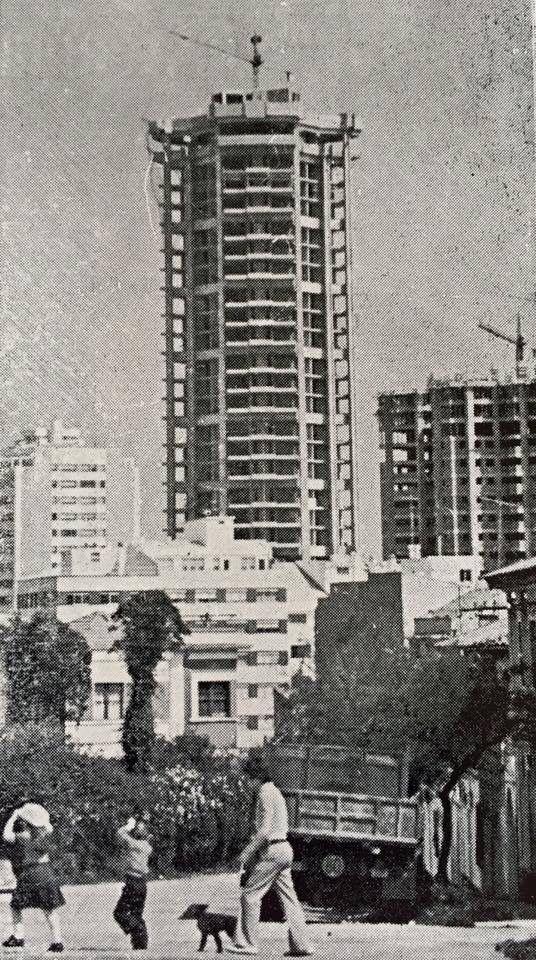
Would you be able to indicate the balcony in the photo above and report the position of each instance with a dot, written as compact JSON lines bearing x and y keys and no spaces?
{"x":269,"y":524}
{"x":270,"y":189}
{"x":255,"y":435}
{"x":250,"y":457}
{"x":252,"y":370}
{"x":257,"y":389}
{"x":249,"y":300}
{"x":261,"y":408}
{"x":251,"y":235}
{"x":258,"y":341}
{"x":248,"y":254}
{"x":254,"y":272}
{"x":266,"y":504}
{"x":260,"y":207}
{"x":284,"y":473}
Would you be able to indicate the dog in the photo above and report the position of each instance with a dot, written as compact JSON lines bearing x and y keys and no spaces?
{"x":210,"y":924}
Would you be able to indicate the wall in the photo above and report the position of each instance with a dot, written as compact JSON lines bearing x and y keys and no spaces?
{"x":465,"y":861}
{"x":371,"y":609}
{"x":486,"y":851}
{"x":34,"y":521}
{"x":101,"y":735}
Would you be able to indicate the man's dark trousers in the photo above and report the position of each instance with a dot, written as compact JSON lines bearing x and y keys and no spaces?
{"x":129,"y":911}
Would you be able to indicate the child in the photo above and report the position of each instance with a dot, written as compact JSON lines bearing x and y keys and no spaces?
{"x":28,"y":832}
{"x":134,"y":838}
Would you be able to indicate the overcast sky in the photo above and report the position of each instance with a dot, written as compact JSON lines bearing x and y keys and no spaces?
{"x":443,"y":192}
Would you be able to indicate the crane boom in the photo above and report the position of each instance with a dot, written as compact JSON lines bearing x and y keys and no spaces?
{"x":209,"y":46}
{"x":518,"y":341}
{"x":255,"y":62}
{"x":498,"y":333}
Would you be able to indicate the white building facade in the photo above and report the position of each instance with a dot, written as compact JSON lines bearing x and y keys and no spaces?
{"x":59,"y":492}
{"x":251,"y":628}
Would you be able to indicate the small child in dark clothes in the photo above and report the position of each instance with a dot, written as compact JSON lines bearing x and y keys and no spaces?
{"x":135,"y":841}
{"x":28,"y":833}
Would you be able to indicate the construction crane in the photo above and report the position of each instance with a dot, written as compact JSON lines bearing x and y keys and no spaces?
{"x":255,"y":62}
{"x":518,"y":341}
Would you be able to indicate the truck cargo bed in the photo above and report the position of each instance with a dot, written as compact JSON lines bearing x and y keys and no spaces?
{"x":345,"y":816}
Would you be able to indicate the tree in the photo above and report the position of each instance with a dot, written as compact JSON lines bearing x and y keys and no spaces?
{"x":150,"y":626}
{"x":448,"y":710}
{"x":48,"y":671}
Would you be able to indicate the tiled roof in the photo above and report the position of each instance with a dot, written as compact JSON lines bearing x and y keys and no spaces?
{"x":95,"y":628}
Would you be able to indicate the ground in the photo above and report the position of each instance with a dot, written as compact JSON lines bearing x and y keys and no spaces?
{"x":89,"y":928}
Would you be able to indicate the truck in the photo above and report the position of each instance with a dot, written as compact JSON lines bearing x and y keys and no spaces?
{"x":353,"y":828}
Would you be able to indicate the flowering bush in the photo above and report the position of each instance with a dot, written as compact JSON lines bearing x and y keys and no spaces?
{"x":198,"y":818}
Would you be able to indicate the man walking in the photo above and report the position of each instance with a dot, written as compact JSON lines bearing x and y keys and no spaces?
{"x":134,"y":839}
{"x":266,"y":863}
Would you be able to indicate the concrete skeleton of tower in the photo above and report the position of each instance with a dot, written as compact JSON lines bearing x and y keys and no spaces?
{"x":259,"y":341}
{"x":459,"y":474}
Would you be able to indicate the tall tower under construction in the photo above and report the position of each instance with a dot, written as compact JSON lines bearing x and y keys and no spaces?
{"x":259,"y":336}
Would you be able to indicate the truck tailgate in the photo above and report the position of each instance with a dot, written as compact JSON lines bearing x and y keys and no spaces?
{"x":351,"y":816}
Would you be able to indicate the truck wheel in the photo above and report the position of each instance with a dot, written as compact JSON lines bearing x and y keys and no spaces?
{"x":321,"y":891}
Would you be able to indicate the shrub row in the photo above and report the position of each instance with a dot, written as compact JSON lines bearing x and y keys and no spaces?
{"x":198,"y":802}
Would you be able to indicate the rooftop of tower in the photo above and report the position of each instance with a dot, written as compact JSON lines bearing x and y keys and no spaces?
{"x":272,"y":104}
{"x":463,"y":381}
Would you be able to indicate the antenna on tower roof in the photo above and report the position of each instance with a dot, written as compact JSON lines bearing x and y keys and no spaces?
{"x":256,"y":60}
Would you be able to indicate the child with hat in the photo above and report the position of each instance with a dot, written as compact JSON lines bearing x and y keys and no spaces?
{"x":28,"y":833}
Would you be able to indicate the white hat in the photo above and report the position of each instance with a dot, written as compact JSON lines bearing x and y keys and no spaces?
{"x":35,"y":815}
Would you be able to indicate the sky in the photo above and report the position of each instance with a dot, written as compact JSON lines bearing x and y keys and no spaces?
{"x":442,"y":183}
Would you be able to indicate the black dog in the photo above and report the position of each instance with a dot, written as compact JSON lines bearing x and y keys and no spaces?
{"x":210,"y":924}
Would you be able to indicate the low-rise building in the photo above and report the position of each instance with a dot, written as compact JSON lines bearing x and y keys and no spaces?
{"x":251,"y":628}
{"x":419,"y":585}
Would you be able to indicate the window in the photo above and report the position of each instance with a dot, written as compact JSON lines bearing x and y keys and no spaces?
{"x":466,"y":576}
{"x":267,"y":658}
{"x":108,"y":701}
{"x":253,"y":723}
{"x":271,"y":594}
{"x":179,"y":595}
{"x":193,"y":563}
{"x":206,"y":596}
{"x":268,"y":626}
{"x":297,"y":618}
{"x":214,"y":698}
{"x":300,"y":651}
{"x":253,"y":690}
{"x":248,"y":563}
{"x":236,"y":596}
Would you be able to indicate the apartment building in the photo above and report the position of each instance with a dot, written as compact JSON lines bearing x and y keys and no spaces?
{"x":251,"y":625}
{"x":459,"y":470}
{"x":259,"y":339}
{"x":59,"y":492}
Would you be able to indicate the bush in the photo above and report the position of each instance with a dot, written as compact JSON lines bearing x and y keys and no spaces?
{"x":189,"y":750}
{"x":197,"y":816}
